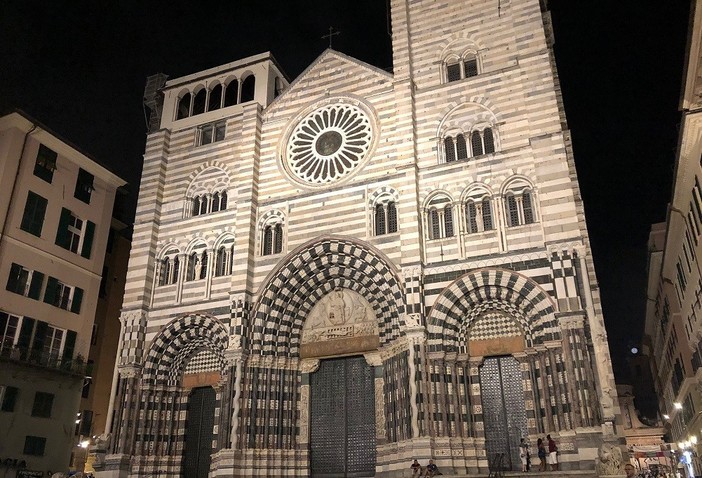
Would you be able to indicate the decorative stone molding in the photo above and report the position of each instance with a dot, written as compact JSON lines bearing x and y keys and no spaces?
{"x":309,"y":365}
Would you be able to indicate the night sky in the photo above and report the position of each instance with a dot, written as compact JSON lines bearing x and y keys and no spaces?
{"x":80,"y":67}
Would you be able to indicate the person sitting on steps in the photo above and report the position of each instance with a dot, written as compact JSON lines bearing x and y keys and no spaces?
{"x":416,"y":469}
{"x":432,"y":469}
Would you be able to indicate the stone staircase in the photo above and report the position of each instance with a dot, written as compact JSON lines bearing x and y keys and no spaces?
{"x":537,"y":474}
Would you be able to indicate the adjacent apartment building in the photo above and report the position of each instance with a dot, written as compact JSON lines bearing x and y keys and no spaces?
{"x":55,"y":212}
{"x":674,"y":302}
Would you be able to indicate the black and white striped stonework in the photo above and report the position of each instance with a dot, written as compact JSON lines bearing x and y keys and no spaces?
{"x":309,"y":275}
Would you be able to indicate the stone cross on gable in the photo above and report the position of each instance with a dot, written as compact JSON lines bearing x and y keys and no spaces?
{"x":331,"y":34}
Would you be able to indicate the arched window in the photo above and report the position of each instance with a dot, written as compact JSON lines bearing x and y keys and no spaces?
{"x":231,"y":94}
{"x":248,"y":88}
{"x":461,"y":148}
{"x":449,"y":149}
{"x":470,"y":66}
{"x":192,"y":262}
{"x":223,"y":262}
{"x":448,"y":220}
{"x":453,"y":72}
{"x":385,"y":218}
{"x":391,"y":210}
{"x":488,"y":141}
{"x":199,"y":102}
{"x":215,"y":101}
{"x":457,"y":69}
{"x":434,"y":224}
{"x":206,"y":204}
{"x":278,"y":239}
{"x":520,"y":208}
{"x":203,"y":266}
{"x":476,"y":143}
{"x":380,"y":220}
{"x":183,"y":106}
{"x":169,"y":268}
{"x":478,"y":215}
{"x":272,"y":239}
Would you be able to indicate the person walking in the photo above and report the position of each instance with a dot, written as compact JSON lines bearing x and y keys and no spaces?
{"x":542,"y":454}
{"x":552,"y":453}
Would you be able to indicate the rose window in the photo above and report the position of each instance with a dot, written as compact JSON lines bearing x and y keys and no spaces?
{"x":329,"y":143}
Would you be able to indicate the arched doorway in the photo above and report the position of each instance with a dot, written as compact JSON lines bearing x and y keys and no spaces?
{"x":198,"y":433}
{"x":504,"y":410}
{"x":342,"y":419}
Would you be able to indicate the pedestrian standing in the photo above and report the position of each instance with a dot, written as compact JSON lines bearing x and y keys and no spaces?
{"x":552,"y":453}
{"x":542,"y":454}
{"x":524,"y":454}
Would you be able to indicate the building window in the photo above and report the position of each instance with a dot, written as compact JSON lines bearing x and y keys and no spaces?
{"x":248,"y":88}
{"x":84,"y":186}
{"x":43,"y":402}
{"x":45,"y":164}
{"x":520,"y":209}
{"x":457,"y":69}
{"x":34,"y":212}
{"x":34,"y":445}
{"x":208,"y":203}
{"x":8,"y":398}
{"x":272,"y":239}
{"x":211,"y":133}
{"x":169,"y":268}
{"x":464,"y":146}
{"x":74,"y":234}
{"x":25,"y":282}
{"x":478,"y":215}
{"x":63,"y":296}
{"x":440,"y":222}
{"x":231,"y":93}
{"x":215,"y":100}
{"x":224,"y":261}
{"x":197,"y":266}
{"x":199,"y":101}
{"x":385,"y":218}
{"x":9,"y":325}
{"x":183,"y":107}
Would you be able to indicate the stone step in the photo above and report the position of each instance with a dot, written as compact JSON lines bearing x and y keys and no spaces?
{"x":537,"y":474}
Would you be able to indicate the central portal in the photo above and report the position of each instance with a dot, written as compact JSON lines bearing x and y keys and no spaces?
{"x":342,"y":419}
{"x":504,"y":409}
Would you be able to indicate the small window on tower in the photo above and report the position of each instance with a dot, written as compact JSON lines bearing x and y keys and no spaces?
{"x":470,"y":66}
{"x":453,"y":72}
{"x":211,"y":133}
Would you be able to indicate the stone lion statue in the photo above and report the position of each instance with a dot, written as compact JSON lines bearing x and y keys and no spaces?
{"x":609,"y":460}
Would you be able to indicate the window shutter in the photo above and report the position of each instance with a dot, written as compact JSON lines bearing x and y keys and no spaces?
{"x":39,"y":339}
{"x":62,"y":238}
{"x":12,"y":280}
{"x":77,"y":299}
{"x":35,"y":285}
{"x":50,"y":293}
{"x":88,"y":239}
{"x":448,"y":221}
{"x":25,"y":335}
{"x":379,"y":220}
{"x":69,"y":346}
{"x":392,"y":217}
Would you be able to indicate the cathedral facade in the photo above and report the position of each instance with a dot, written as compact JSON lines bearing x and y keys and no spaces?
{"x":336,"y":275}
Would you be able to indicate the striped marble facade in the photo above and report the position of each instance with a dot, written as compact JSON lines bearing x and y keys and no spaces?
{"x":442,"y":303}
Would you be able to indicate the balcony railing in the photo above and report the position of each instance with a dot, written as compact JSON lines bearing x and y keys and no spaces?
{"x":43,"y":359}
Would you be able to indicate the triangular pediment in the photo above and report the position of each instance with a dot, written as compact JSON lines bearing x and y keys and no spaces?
{"x":334,"y":73}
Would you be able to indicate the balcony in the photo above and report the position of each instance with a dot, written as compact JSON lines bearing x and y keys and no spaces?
{"x":46,"y":360}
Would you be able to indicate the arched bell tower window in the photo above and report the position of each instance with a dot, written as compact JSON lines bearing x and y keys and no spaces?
{"x":478,"y":212}
{"x":459,"y":67}
{"x":169,"y":268}
{"x":248,"y":89}
{"x":183,"y":106}
{"x":519,"y":204}
{"x":272,"y":234}
{"x":439,"y":217}
{"x":199,"y":102}
{"x":231,"y":93}
{"x":385,"y":218}
{"x":215,"y":100}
